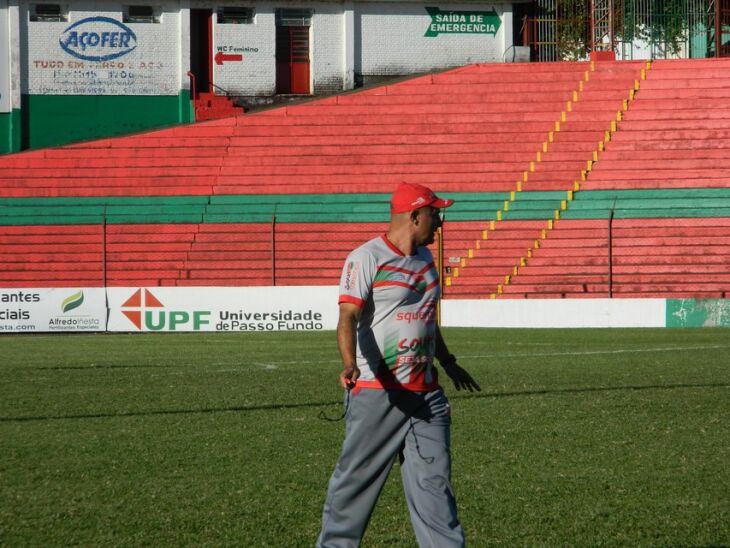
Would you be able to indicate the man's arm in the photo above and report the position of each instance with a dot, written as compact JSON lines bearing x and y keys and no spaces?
{"x":347,"y":343}
{"x":456,"y":373}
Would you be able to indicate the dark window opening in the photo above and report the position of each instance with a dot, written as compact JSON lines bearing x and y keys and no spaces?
{"x":48,"y":13}
{"x":140,"y":14}
{"x":294,"y":17}
{"x":235,"y":16}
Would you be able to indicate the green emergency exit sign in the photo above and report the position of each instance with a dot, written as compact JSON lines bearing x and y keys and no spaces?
{"x":462,"y":22}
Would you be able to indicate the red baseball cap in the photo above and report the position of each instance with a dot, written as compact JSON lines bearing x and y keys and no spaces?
{"x":410,"y":196}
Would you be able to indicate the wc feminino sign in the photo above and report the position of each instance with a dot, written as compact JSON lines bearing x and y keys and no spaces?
{"x":462,"y":22}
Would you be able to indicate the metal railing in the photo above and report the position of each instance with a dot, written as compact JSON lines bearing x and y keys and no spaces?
{"x":561,"y":30}
{"x":211,"y":86}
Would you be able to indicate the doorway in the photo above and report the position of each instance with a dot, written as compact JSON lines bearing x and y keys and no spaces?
{"x":293,"y":73}
{"x":201,"y":49}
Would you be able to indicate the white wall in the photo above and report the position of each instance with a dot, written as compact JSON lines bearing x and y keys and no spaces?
{"x":5,"y":93}
{"x":13,"y":17}
{"x":551,"y":313}
{"x":153,"y":67}
{"x":387,"y":38}
{"x":392,"y":39}
{"x":328,"y":46}
{"x":255,"y":74}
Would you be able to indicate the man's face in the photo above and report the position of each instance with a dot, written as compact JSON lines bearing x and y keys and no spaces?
{"x":429,"y":220}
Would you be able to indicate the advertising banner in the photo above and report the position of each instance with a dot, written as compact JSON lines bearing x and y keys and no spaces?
{"x":57,"y":309}
{"x":232,"y":309}
{"x":99,"y":54}
{"x":257,"y":309}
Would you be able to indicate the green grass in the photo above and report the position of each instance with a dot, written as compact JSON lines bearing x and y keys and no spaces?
{"x":580,"y":437}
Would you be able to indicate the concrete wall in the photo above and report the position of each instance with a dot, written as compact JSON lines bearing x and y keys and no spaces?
{"x":147,"y":63}
{"x":366,"y":38}
{"x":256,"y":73}
{"x":5,"y":48}
{"x":395,"y":38}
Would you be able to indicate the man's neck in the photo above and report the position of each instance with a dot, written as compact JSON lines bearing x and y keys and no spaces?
{"x":402,"y":241}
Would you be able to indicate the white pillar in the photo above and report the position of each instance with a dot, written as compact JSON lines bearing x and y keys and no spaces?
{"x":348,"y":28}
{"x":507,"y":38}
{"x":6,"y":103}
{"x":184,"y":45}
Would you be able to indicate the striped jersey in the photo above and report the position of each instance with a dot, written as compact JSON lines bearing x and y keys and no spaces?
{"x":396,"y":332}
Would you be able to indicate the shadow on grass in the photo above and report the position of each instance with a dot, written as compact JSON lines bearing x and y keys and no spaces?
{"x":101,"y":367}
{"x":284,"y":406}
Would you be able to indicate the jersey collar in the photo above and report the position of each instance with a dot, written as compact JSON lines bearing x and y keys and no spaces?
{"x":392,"y":246}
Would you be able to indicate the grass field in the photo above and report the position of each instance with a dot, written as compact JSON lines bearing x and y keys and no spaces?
{"x":579,"y":438}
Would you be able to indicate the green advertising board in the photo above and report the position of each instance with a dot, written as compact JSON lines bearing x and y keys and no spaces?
{"x":698,"y":312}
{"x":462,"y":22}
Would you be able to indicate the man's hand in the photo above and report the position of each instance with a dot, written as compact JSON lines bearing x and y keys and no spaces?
{"x":349,"y":377}
{"x":460,"y":377}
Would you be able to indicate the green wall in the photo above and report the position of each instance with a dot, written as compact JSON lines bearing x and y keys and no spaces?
{"x":52,"y":120}
{"x":9,"y":131}
{"x":698,"y":312}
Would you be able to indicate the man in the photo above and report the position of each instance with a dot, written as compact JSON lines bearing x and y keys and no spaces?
{"x":387,"y":337}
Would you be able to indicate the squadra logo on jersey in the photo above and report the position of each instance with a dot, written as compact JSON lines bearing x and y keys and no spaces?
{"x":351,"y":274}
{"x":420,"y":316}
{"x":426,"y":314}
{"x":418,"y":347}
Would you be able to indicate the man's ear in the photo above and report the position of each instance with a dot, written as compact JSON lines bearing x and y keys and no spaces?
{"x":414,"y":216}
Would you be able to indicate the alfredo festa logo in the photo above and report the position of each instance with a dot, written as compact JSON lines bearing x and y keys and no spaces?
{"x":74,"y":301}
{"x":146,"y":312}
{"x":78,"y":321}
{"x":98,"y":39}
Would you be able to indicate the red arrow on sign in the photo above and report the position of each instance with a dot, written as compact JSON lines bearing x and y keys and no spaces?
{"x":221,"y":58}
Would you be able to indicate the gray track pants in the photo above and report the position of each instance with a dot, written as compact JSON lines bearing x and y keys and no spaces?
{"x":380,"y":425}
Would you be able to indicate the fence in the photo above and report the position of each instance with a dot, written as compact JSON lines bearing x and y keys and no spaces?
{"x":635,"y":29}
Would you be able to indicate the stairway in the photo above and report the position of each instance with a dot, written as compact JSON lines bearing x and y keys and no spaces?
{"x":560,"y":164}
{"x":209,"y":106}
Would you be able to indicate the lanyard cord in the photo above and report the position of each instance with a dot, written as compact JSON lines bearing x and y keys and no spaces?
{"x":344,"y":413}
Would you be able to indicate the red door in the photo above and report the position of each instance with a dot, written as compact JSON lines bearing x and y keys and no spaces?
{"x":292,"y":60}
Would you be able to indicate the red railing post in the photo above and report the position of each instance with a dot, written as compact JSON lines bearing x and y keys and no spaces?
{"x":192,"y":84}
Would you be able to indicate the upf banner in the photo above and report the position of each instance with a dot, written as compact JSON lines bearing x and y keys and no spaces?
{"x":237,"y":309}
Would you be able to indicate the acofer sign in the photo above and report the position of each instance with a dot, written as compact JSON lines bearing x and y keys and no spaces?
{"x":98,"y":39}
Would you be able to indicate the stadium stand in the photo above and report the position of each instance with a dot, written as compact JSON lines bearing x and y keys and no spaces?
{"x":51,"y":256}
{"x":658,"y":177}
{"x":552,"y":165}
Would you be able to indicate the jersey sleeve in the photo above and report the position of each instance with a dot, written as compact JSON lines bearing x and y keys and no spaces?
{"x":357,"y":277}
